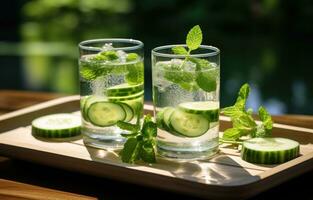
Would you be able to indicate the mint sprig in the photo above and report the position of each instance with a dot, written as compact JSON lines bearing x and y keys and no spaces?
{"x":205,"y":80}
{"x":194,"y":38}
{"x":243,"y":122}
{"x":140,"y":144}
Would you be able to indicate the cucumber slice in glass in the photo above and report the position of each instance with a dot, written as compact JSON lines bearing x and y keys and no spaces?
{"x":90,"y":100}
{"x":61,"y":125}
{"x":210,"y":109}
{"x":124,"y":90}
{"x":129,"y":112}
{"x":105,"y":113}
{"x":125,"y":98}
{"x":188,"y":124}
{"x":166,"y":116}
{"x":269,"y":150}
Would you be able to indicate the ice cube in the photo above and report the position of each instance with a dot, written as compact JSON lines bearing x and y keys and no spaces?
{"x":162,"y":65}
{"x":176,"y":64}
{"x":121,"y":55}
{"x":189,"y":66}
{"x":107,"y":47}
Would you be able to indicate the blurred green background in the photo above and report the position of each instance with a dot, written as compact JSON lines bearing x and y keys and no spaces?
{"x":267,"y":43}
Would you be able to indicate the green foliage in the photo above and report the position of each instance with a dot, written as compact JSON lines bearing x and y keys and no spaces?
{"x":140,"y":144}
{"x":243,"y":122}
{"x":204,"y":79}
{"x":194,"y":38}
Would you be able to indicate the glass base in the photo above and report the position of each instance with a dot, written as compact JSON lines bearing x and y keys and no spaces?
{"x":110,"y":144}
{"x":173,"y":154}
{"x":103,"y":138}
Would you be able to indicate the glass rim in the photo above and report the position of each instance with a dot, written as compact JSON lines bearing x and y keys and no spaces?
{"x":137,"y":44}
{"x":155,"y":52}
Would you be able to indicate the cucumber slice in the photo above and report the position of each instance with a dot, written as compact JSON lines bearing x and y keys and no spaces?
{"x":90,"y":100}
{"x":105,"y":113}
{"x":160,"y":119}
{"x":125,"y":98}
{"x":83,"y":101}
{"x":124,"y":90}
{"x":167,"y":114}
{"x":269,"y":150}
{"x":61,"y":125}
{"x":136,"y":104}
{"x":188,"y":124}
{"x":129,"y":112}
{"x":210,"y":109}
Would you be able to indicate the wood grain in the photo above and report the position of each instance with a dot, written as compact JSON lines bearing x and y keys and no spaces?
{"x":11,"y":190}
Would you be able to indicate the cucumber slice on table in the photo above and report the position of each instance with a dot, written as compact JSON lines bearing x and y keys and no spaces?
{"x":269,"y":150}
{"x":104,"y":113}
{"x":188,"y":124}
{"x":57,"y":126}
{"x":124,"y":90}
{"x":210,"y":109}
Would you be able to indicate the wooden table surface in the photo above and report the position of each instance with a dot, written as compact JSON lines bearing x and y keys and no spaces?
{"x":24,"y":180}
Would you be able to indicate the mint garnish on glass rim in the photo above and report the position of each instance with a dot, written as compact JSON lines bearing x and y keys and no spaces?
{"x":206,"y":75}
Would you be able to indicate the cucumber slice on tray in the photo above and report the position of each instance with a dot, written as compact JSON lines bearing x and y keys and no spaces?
{"x":269,"y":150}
{"x":61,"y":125}
{"x":105,"y":113}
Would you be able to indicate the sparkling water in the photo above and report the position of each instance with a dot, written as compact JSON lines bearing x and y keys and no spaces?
{"x":96,"y":77}
{"x":175,"y":82}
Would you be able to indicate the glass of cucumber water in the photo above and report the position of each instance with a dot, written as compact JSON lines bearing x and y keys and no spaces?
{"x":186,"y":101}
{"x":111,"y":75}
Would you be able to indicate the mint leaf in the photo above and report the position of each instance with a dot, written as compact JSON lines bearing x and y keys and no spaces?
{"x":135,"y":73}
{"x":244,"y":120}
{"x":200,"y":63}
{"x":243,"y":95}
{"x":109,"y":55}
{"x":91,"y":69}
{"x":267,"y":120}
{"x":147,"y":153}
{"x":232,"y":111}
{"x":139,"y":144}
{"x":231,"y":134}
{"x":128,"y":126}
{"x":207,"y":81}
{"x":132,"y":57}
{"x":130,"y":152}
{"x":194,"y":38}
{"x":183,"y":78}
{"x":179,"y":50}
{"x":149,"y":129}
{"x":243,"y":123}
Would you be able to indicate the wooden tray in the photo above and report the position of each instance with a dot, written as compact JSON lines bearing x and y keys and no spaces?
{"x":225,"y":176}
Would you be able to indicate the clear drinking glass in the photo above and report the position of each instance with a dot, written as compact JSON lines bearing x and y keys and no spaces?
{"x":186,"y":101}
{"x":111,"y":87}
